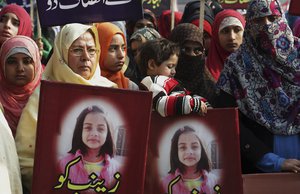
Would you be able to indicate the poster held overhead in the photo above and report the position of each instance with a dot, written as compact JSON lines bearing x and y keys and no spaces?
{"x":60,"y":12}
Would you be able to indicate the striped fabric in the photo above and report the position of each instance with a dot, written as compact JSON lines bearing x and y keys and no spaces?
{"x":170,"y":97}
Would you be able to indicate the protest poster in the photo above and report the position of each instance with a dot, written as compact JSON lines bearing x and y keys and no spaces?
{"x":70,"y":120}
{"x":60,"y":12}
{"x":24,"y":3}
{"x":157,"y":6}
{"x":234,"y":4}
{"x":217,"y":137}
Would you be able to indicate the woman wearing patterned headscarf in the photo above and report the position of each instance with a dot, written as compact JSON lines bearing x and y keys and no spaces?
{"x":227,"y":36}
{"x":262,"y":79}
{"x":14,"y":21}
{"x":191,"y":70}
{"x":20,"y":74}
{"x":74,"y":60}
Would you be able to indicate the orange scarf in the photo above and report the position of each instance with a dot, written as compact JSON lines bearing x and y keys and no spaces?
{"x":106,"y":31}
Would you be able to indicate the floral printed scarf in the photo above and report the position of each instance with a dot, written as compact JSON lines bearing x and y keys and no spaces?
{"x":264,"y":74}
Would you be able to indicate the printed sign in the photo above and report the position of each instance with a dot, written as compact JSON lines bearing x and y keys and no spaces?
{"x":60,"y":12}
{"x":192,"y":154}
{"x":91,"y":139}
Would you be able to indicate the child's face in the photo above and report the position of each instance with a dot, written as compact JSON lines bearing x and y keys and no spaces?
{"x":189,"y":149}
{"x":167,"y":68}
{"x":94,"y":131}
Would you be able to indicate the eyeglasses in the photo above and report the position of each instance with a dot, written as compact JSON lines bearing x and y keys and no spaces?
{"x":198,"y":51}
{"x":78,"y":51}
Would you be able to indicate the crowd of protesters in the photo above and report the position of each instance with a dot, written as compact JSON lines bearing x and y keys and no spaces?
{"x":246,"y":60}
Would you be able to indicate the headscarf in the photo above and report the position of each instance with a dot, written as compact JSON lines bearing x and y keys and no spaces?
{"x":191,"y":70}
{"x":106,"y":31}
{"x":148,"y":15}
{"x":206,"y":26}
{"x":145,"y":34}
{"x":296,"y":28}
{"x":164,"y":22}
{"x":57,"y":68}
{"x":13,"y":98}
{"x":191,"y":12}
{"x":263,"y":75}
{"x":25,"y":27}
{"x":217,"y":54}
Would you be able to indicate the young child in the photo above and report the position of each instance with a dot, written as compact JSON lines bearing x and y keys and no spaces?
{"x":92,"y":140}
{"x":190,"y":162}
{"x":157,"y":63}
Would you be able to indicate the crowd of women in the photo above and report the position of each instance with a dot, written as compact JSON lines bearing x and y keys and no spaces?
{"x":249,"y":61}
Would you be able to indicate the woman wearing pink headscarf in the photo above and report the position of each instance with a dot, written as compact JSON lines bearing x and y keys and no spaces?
{"x":227,"y":36}
{"x":20,"y":73}
{"x":14,"y":20}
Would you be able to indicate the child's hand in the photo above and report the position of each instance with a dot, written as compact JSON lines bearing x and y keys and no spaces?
{"x":203,"y":109}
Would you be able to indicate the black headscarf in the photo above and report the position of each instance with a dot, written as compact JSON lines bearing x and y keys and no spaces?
{"x":191,"y":70}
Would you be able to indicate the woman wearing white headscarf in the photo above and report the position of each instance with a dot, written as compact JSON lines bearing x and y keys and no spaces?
{"x":74,"y":60}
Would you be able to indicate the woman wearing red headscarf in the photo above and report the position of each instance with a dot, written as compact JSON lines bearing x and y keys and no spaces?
{"x":227,"y":36}
{"x":20,"y":73}
{"x":164,"y":22}
{"x":14,"y":20}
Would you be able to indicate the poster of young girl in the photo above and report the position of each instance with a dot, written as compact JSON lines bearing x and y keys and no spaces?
{"x":90,"y":139}
{"x":194,"y":154}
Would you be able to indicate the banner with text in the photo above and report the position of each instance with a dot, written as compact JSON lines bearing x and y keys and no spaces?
{"x":60,"y":12}
{"x":194,"y":154}
{"x":91,"y":140}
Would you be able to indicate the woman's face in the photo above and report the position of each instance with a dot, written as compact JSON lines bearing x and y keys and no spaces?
{"x":115,"y":58}
{"x":142,"y":23}
{"x":231,"y":37}
{"x":189,"y":149}
{"x":94,"y":131}
{"x":193,"y":48}
{"x":82,"y":56}
{"x":9,"y":26}
{"x":19,"y":69}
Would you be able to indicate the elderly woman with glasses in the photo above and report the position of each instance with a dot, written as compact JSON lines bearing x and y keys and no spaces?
{"x":191,"y":70}
{"x":74,"y":60}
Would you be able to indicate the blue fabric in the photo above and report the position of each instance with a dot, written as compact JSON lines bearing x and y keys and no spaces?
{"x":287,"y":146}
{"x":270,"y":163}
{"x":284,"y":147}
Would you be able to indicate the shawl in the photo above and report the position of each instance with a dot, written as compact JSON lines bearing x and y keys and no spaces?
{"x":216,"y":54}
{"x":56,"y":70}
{"x":263,"y":75}
{"x":106,"y":31}
{"x":191,"y":70}
{"x":25,"y":27}
{"x":13,"y":98}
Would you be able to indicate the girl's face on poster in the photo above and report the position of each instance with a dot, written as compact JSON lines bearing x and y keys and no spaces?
{"x":94,"y":131}
{"x":189,"y":149}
